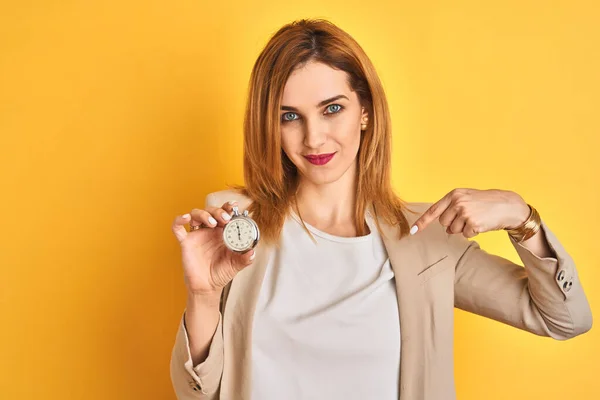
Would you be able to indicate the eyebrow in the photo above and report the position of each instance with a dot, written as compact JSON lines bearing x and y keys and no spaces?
{"x":321,"y":104}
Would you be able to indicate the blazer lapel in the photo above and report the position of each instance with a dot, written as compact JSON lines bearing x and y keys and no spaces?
{"x":238,"y":317}
{"x":406,"y":258}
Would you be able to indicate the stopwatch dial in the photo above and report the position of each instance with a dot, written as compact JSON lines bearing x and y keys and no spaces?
{"x":239,"y":234}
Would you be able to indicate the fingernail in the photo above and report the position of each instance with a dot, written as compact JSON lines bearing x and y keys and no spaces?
{"x":253,"y":255}
{"x":226,"y":216}
{"x":185,"y":216}
{"x":212,"y":220}
{"x":414,"y":229}
{"x":232,"y":202}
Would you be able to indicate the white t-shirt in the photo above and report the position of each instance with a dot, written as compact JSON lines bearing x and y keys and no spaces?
{"x":326,"y":324}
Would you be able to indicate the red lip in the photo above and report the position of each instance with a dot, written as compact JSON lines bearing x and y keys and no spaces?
{"x":319,"y":159}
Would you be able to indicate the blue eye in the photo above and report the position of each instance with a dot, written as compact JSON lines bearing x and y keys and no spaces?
{"x":284,"y":117}
{"x":292,"y":116}
{"x":334,"y":110}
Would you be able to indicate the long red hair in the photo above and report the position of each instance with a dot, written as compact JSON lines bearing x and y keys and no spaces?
{"x":271,"y":179}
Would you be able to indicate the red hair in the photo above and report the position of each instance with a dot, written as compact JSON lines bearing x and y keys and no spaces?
{"x":271,"y":179}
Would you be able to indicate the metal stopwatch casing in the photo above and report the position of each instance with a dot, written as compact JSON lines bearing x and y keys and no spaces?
{"x":241,"y":233}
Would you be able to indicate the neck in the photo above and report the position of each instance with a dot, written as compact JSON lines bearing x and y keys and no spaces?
{"x":329,"y":204}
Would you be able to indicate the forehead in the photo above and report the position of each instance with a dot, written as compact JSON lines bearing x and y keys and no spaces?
{"x":314,"y":82}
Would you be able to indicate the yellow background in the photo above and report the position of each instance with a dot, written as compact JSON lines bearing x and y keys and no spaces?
{"x":116,"y":116}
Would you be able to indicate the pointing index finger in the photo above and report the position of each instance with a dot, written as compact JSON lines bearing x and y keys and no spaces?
{"x":430,"y":215}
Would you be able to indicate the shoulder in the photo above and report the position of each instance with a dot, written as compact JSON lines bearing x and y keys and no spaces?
{"x":435,"y":233}
{"x":434,"y":236}
{"x":415,"y":209}
{"x":218,"y":198}
{"x":419,"y":206}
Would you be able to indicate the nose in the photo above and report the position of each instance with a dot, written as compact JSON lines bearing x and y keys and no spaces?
{"x":315,"y":134}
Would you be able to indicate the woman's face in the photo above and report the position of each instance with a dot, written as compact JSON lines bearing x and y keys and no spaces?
{"x":320,"y":115}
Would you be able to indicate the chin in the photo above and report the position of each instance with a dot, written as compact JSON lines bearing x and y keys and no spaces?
{"x":320,"y":175}
{"x":321,"y":178}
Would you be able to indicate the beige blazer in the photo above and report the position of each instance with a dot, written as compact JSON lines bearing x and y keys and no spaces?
{"x":434,"y":272}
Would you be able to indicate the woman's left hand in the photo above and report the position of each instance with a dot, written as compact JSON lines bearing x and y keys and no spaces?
{"x":473,"y":211}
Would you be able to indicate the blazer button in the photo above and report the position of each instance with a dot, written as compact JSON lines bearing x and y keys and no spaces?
{"x":561,"y":275}
{"x":567,"y":285}
{"x":195,"y":386}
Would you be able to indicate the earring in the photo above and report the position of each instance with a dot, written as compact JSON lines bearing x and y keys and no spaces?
{"x":363,"y":127}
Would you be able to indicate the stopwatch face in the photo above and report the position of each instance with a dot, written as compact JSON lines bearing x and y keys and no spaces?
{"x":239,"y":234}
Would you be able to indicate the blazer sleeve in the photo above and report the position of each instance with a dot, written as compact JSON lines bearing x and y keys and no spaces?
{"x":543,"y":296}
{"x":203,"y":380}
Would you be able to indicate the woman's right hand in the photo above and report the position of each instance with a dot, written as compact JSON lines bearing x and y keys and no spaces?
{"x":208,"y":264}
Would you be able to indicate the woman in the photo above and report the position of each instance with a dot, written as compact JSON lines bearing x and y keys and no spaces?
{"x":342,"y":299}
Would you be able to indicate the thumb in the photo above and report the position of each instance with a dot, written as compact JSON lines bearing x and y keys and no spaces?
{"x":241,"y":261}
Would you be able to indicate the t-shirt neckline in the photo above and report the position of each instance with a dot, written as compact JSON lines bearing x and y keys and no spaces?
{"x":328,"y":236}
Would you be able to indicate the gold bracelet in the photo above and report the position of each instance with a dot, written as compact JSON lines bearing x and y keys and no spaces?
{"x":528,"y":228}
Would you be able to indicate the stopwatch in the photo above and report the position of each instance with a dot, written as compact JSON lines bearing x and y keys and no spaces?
{"x":241,"y":233}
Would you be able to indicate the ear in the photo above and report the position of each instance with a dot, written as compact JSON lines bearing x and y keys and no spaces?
{"x":364,"y":117}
